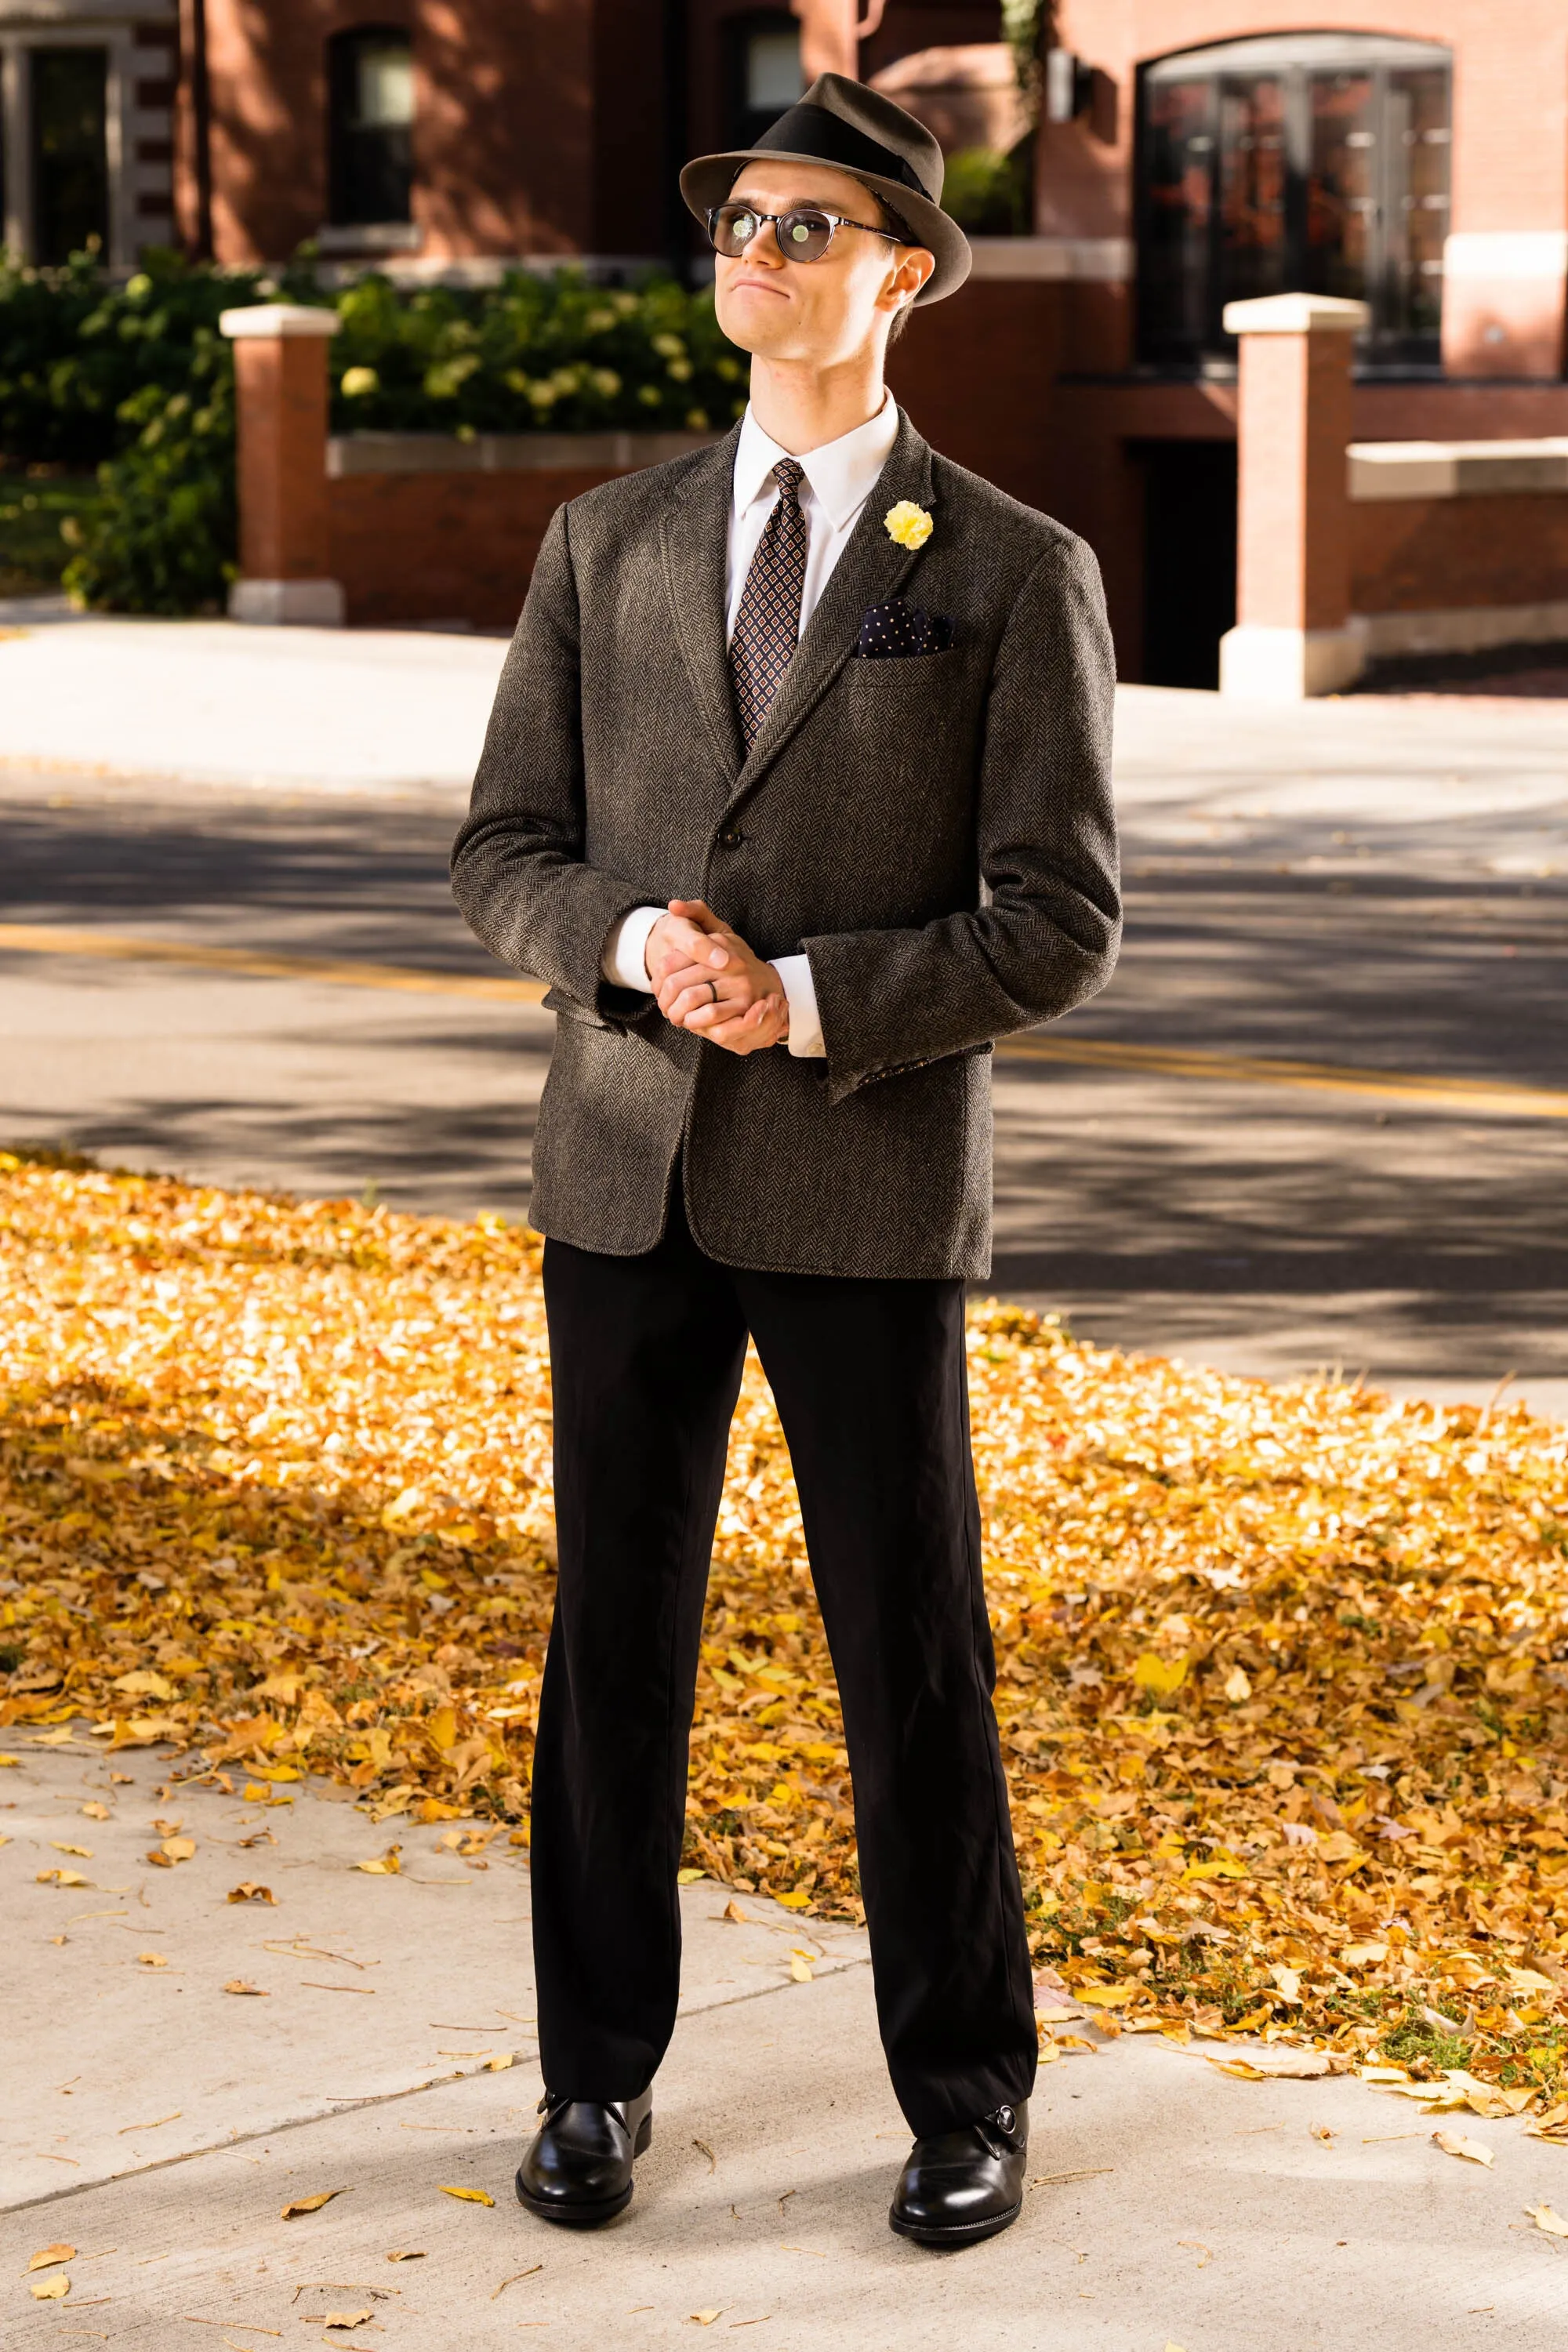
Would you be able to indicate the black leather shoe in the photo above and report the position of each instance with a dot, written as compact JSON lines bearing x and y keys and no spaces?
{"x":959,"y":2187}
{"x":578,"y":2167}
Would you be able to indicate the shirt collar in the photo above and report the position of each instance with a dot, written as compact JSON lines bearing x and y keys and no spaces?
{"x":842,"y":473}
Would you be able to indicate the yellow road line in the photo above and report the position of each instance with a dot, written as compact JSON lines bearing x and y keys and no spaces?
{"x":1478,"y":1097}
{"x":51,"y":939}
{"x":1486,"y":1098}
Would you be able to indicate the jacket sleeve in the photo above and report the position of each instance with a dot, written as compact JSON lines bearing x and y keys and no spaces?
{"x":519,"y":869}
{"x":1045,"y":934}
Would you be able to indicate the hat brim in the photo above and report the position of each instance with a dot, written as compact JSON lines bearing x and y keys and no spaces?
{"x":707,"y":180}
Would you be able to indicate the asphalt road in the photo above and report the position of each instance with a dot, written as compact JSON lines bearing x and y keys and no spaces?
{"x":1383,"y":888}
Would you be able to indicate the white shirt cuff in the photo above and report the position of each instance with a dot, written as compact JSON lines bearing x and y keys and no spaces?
{"x":805,"y":1028}
{"x":622,"y":962}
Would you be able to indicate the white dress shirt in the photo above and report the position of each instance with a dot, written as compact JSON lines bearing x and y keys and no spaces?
{"x":839,"y":479}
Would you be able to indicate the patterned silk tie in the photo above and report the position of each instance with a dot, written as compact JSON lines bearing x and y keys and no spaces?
{"x":767,"y":625}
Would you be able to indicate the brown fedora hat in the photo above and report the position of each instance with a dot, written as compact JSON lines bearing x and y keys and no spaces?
{"x":856,"y":130}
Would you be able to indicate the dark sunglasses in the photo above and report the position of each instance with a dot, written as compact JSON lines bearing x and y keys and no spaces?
{"x":803,"y":234}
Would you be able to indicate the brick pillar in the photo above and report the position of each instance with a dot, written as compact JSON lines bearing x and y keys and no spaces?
{"x":280,"y":391}
{"x":1294,"y":634}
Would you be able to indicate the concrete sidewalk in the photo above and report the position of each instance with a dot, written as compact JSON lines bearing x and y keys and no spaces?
{"x":1438,"y":787}
{"x":158,"y":2124}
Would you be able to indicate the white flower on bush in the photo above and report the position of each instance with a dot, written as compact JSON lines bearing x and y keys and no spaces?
{"x":669,"y":347}
{"x":680,"y":370}
{"x":650,"y":395}
{"x":605,"y":383}
{"x":446,"y":380}
{"x":359,"y":383}
{"x":598,"y":322}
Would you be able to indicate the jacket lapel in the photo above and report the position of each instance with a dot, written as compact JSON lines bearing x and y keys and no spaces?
{"x":695,"y":538}
{"x":872,"y":567}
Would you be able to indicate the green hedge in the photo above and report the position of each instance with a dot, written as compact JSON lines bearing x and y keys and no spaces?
{"x":138,"y":379}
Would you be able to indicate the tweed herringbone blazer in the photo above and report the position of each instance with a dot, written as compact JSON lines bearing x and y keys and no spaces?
{"x":934,"y":831}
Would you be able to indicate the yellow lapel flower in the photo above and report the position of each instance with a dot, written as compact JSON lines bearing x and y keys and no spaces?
{"x":908,"y":524}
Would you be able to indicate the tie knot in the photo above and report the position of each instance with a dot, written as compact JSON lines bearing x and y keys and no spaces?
{"x":789,"y":474}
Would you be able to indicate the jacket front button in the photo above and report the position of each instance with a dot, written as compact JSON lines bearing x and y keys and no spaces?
{"x":730,"y":837}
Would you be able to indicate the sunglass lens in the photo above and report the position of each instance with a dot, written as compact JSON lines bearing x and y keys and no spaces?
{"x":804,"y":236}
{"x":732,"y":228}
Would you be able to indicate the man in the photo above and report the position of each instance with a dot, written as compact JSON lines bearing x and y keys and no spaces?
{"x":796,"y":791}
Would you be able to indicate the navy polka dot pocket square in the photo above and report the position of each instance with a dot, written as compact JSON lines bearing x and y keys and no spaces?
{"x":895,"y":631}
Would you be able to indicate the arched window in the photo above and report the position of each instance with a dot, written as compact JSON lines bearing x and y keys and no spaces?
{"x":371,"y":98}
{"x":763,"y":73}
{"x":1300,"y":162}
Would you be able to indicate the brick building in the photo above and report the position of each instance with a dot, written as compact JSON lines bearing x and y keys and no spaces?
{"x":1193,"y":153}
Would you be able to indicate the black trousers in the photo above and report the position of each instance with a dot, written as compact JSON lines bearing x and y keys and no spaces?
{"x":868,"y":1375}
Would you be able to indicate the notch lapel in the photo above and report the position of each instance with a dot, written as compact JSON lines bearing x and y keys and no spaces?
{"x":872,"y":567}
{"x":695,"y":538}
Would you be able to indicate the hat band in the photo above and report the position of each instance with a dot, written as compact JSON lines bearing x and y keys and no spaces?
{"x":815,"y":130}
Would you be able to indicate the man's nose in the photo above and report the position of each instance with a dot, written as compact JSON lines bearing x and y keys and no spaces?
{"x":767,"y":236}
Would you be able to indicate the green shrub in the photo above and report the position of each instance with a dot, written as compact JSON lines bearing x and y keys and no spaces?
{"x":163,"y":535}
{"x":139,"y":378}
{"x":532,"y":354}
{"x":74,"y":348}
{"x":988,"y":193}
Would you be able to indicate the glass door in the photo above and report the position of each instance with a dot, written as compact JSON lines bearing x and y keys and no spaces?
{"x":1309,"y":161}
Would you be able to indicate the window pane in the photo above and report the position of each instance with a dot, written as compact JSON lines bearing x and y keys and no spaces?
{"x":70,"y":155}
{"x":1418,"y":142}
{"x":1342,"y":185}
{"x":371,"y":75}
{"x":1252,"y":189}
{"x":1177,"y":206}
{"x":386,"y":84}
{"x":773,"y":70}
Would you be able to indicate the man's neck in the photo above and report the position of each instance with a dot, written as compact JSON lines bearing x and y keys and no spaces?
{"x":803,"y":407}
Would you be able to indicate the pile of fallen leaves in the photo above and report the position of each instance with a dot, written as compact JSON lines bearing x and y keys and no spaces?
{"x":1282,"y":1687}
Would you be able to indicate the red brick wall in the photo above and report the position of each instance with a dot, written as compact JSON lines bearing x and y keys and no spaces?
{"x":1422,"y":555}
{"x":442,"y":547}
{"x":976,"y":372}
{"x":528,"y":113}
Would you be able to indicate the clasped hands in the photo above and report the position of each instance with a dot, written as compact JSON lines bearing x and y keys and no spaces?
{"x":707,"y":979}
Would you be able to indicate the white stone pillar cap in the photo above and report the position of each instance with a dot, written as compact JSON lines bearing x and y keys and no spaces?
{"x":1296,"y":314}
{"x":279,"y":319}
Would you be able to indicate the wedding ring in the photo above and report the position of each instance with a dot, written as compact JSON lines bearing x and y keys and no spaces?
{"x":713,"y":993}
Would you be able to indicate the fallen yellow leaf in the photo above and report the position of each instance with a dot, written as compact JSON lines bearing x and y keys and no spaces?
{"x":800,"y":1968}
{"x":689,"y":1877}
{"x":8,"y":1760}
{"x":47,"y":2256}
{"x":499,"y":2064}
{"x":1161,"y":1675}
{"x":474,"y":2196}
{"x":733,"y":1913}
{"x":298,"y":2205}
{"x":60,"y":1878}
{"x":51,"y":2290}
{"x":250,"y":1890}
{"x":240,"y":1984}
{"x":347,"y":2318}
{"x":1545,"y":2219}
{"x":150,"y":1960}
{"x":1106,"y":1996}
{"x":705,"y":2318}
{"x":1473,"y":2150}
{"x":95,"y":1811}
{"x":61,"y":1847}
{"x":794,"y":1899}
{"x":388,"y":1865}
